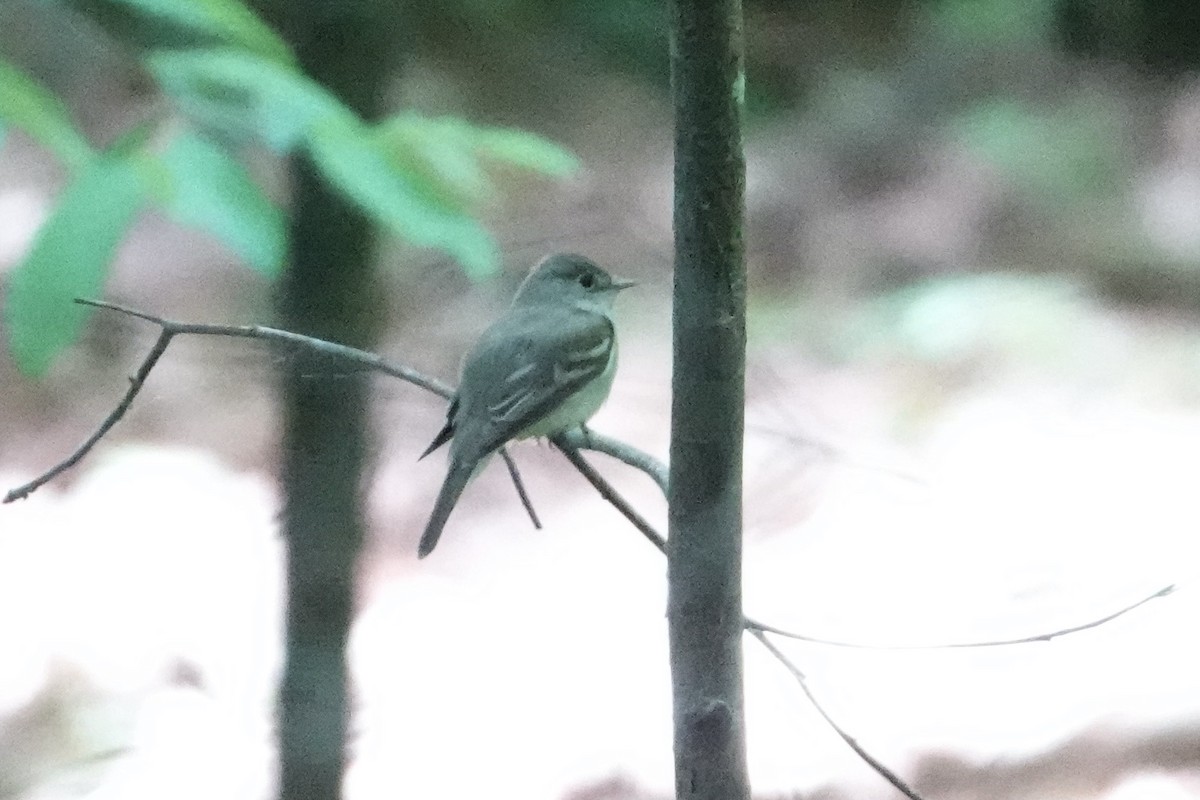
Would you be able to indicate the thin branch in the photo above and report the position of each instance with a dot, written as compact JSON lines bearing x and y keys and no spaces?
{"x":170,"y":329}
{"x":331,"y":349}
{"x":587,"y":439}
{"x":567,"y":444}
{"x":135,"y":385}
{"x":850,"y":741}
{"x":754,"y":625}
{"x":570,"y":449}
{"x":519,"y":484}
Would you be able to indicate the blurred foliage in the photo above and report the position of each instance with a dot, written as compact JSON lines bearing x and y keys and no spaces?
{"x":995,"y":22}
{"x":69,"y":258}
{"x":27,"y":105}
{"x":958,"y":319}
{"x":790,"y":45}
{"x":155,"y":24}
{"x":628,"y":32}
{"x":626,"y":37}
{"x":455,"y":154}
{"x":1156,"y":35}
{"x":957,"y":326}
{"x":209,"y":191}
{"x":242,"y":98}
{"x":236,"y":83}
{"x":1060,"y":155}
{"x":865,"y":89}
{"x":353,"y":160}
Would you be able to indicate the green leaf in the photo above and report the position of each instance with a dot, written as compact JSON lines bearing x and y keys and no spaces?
{"x":210,"y":190}
{"x":244,"y":96}
{"x":228,"y":21}
{"x":26,"y":104}
{"x":69,"y":258}
{"x":526,"y":150}
{"x":441,"y":151}
{"x":451,"y":155}
{"x":351,"y":158}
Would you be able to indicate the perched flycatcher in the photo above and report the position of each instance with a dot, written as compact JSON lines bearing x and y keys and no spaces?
{"x":543,"y":368}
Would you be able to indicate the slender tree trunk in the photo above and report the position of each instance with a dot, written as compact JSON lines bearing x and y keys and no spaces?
{"x":705,"y":518}
{"x":327,"y":292}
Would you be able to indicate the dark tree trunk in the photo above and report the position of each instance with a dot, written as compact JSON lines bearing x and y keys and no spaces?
{"x":327,"y":292}
{"x":705,"y":518}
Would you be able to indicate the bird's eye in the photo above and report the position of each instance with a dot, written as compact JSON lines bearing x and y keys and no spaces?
{"x":587,"y":280}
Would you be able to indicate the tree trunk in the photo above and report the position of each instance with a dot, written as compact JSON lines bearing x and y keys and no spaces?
{"x":707,"y":416}
{"x":327,"y":292}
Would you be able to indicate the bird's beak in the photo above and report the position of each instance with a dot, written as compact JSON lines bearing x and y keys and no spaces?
{"x":620,"y":283}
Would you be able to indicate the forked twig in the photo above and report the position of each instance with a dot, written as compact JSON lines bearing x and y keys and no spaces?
{"x":135,"y":386}
{"x":607,"y":491}
{"x":169,"y":329}
{"x":588,"y":439}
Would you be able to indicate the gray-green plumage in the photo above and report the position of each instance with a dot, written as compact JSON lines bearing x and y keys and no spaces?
{"x":544,"y":367}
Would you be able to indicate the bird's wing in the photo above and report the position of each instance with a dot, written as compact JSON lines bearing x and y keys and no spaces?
{"x":524,"y":367}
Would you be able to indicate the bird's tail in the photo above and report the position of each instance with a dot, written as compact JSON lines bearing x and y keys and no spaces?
{"x":456,"y":480}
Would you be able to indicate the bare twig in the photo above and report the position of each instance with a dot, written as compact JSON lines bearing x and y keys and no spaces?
{"x":850,"y":741}
{"x":587,"y":439}
{"x":569,"y":445}
{"x":169,"y":329}
{"x":754,"y":625}
{"x":515,"y":474}
{"x":135,"y":386}
{"x":570,"y":449}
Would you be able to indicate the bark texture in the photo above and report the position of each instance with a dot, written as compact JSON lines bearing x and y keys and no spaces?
{"x":707,"y":419}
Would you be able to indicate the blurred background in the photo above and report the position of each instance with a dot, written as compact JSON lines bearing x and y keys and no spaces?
{"x":973,"y":239}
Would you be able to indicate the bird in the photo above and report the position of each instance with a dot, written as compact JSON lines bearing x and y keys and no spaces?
{"x":543,"y":368}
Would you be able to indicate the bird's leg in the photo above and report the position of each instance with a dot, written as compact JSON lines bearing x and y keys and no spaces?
{"x":587,"y":435}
